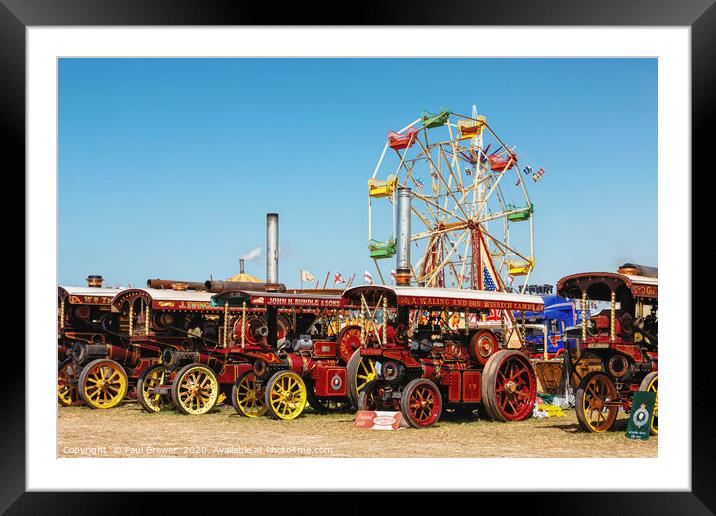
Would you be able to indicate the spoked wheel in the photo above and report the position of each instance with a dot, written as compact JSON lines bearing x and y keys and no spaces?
{"x":369,"y":397}
{"x":482,"y":346}
{"x":285,"y":395}
{"x":246,"y":396}
{"x":67,"y":393}
{"x":372,"y":397}
{"x":594,"y":410}
{"x":103,"y":383}
{"x":195,"y":389}
{"x":509,"y":386}
{"x":147,"y":395}
{"x":359,"y":371}
{"x":650,"y":383}
{"x":326,"y":405}
{"x":421,"y":403}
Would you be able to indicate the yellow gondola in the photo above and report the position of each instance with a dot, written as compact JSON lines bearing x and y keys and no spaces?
{"x":377,"y":188}
{"x":521,"y":268}
{"x":470,"y":128}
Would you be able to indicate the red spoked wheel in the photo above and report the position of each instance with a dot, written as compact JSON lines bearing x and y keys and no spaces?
{"x":596,"y":404}
{"x":509,"y":386}
{"x":483,"y":345}
{"x":421,"y":403}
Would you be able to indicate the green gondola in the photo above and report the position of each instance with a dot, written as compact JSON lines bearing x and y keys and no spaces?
{"x":520,"y":215}
{"x":431,"y":120}
{"x":380,"y":250}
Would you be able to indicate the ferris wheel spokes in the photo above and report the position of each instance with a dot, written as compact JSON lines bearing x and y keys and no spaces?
{"x":459,"y":191}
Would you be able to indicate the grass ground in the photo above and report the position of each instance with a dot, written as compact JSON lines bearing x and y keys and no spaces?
{"x":127,"y":431}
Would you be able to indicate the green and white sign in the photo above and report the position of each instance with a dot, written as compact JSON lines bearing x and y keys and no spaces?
{"x":642,"y":411}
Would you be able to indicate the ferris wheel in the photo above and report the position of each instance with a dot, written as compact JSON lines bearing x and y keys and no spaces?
{"x":472,"y":213}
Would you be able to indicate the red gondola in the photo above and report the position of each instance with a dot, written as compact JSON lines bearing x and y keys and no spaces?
{"x":404,"y":140}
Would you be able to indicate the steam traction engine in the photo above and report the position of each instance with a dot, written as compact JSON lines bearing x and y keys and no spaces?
{"x":296,"y":362}
{"x":622,"y":339}
{"x":424,"y":366}
{"x":97,"y":363}
{"x":191,"y":337}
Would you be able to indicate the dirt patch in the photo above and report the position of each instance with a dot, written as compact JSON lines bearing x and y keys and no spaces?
{"x":127,"y":431}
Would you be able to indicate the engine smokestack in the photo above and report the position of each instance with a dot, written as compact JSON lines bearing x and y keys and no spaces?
{"x":271,"y":251}
{"x":241,"y":265}
{"x":402,"y":269}
{"x":272,"y":284}
{"x":95,"y":280}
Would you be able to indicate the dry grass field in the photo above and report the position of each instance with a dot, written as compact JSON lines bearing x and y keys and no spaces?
{"x":126,"y":431}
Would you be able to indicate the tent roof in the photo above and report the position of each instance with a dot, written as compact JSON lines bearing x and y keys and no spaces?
{"x":246,"y":277}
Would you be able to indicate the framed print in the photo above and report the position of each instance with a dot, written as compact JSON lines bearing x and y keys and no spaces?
{"x":426,"y":242}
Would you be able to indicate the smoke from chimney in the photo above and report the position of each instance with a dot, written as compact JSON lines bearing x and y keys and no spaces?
{"x":252,"y":255}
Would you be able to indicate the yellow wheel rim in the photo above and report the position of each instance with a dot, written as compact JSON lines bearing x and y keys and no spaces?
{"x":287,"y":395}
{"x":366,"y":373}
{"x":153,"y":379}
{"x":198,"y":390}
{"x":248,"y":398}
{"x":105,"y":385}
{"x":654,"y":387}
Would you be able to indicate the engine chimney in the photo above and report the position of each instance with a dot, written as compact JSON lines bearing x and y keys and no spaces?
{"x":402,"y":269}
{"x":94,"y":280}
{"x":272,"y":284}
{"x":241,"y":265}
{"x":271,"y":252}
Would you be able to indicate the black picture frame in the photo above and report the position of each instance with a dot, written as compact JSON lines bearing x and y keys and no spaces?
{"x":700,"y":15}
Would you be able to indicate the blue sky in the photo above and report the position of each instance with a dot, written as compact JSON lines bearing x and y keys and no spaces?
{"x":167,"y":167}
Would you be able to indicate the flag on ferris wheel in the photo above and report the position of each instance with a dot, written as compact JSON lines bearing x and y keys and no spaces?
{"x":538,"y":175}
{"x":338,"y":278}
{"x":488,"y":279}
{"x":367,"y":278}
